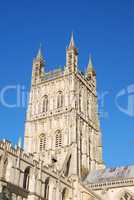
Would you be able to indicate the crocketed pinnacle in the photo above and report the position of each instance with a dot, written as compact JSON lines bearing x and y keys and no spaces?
{"x":39,"y":54}
{"x":72,"y":43}
{"x":19,"y":142}
{"x":90,"y":68}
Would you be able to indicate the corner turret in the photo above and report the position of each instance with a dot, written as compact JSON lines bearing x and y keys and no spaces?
{"x":38,"y":67}
{"x":71,"y":56}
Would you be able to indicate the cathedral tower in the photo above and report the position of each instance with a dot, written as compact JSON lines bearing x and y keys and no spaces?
{"x":62,"y":125}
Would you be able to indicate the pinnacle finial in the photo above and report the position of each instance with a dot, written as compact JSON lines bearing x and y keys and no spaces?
{"x":19,"y":142}
{"x":72,"y":44}
{"x":90,"y":62}
{"x":39,"y":54}
{"x":90,"y":67}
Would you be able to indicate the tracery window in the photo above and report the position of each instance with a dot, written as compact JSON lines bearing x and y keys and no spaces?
{"x":5,"y":194}
{"x":127,"y":196}
{"x":58,"y":142}
{"x":45,"y":104}
{"x":60,"y":99}
{"x":42,"y":142}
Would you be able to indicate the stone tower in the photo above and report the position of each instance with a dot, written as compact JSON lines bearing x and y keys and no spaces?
{"x":62,"y":125}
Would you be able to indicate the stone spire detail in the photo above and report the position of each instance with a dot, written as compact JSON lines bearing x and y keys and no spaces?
{"x":38,"y":67}
{"x":90,"y":68}
{"x":72,"y":43}
{"x":72,"y":56}
{"x":40,"y":54}
{"x":19,"y":142}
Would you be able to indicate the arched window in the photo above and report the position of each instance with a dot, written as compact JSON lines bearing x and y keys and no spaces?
{"x":46,"y":191}
{"x":6,"y":194}
{"x":127,"y":196}
{"x":68,"y":166}
{"x":58,"y":139}
{"x":26,"y":178}
{"x":65,"y":194}
{"x":42,"y":142}
{"x":45,"y":104}
{"x":60,"y":99}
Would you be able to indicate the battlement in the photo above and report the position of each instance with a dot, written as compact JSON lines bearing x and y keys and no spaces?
{"x":16,"y":151}
{"x":54,"y":74}
{"x":30,"y":159}
{"x":13,"y":171}
{"x":7,"y":147}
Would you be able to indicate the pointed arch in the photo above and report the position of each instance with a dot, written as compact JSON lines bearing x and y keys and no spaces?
{"x":26,"y":178}
{"x":58,"y":139}
{"x":65,"y":194}
{"x":45,"y":104}
{"x":43,"y":142}
{"x":59,"y":99}
{"x":68,"y":166}
{"x":46,"y":190}
{"x":126,"y":195}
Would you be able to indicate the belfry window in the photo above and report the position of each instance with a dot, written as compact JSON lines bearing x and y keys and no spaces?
{"x":42,"y":142}
{"x":60,"y":99}
{"x":45,"y":104}
{"x":58,"y":142}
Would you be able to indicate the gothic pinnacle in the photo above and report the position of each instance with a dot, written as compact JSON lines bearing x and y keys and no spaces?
{"x":39,"y":54}
{"x":90,"y":68}
{"x":90,"y":63}
{"x":19,"y":142}
{"x":72,"y":44}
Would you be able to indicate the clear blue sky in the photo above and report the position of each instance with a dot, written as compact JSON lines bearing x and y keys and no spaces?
{"x":103,"y":28}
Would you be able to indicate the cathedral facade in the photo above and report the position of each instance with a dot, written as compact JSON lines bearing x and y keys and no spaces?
{"x":62,"y":155}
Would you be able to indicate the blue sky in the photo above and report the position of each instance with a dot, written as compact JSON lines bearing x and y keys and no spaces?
{"x":103,"y":28}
